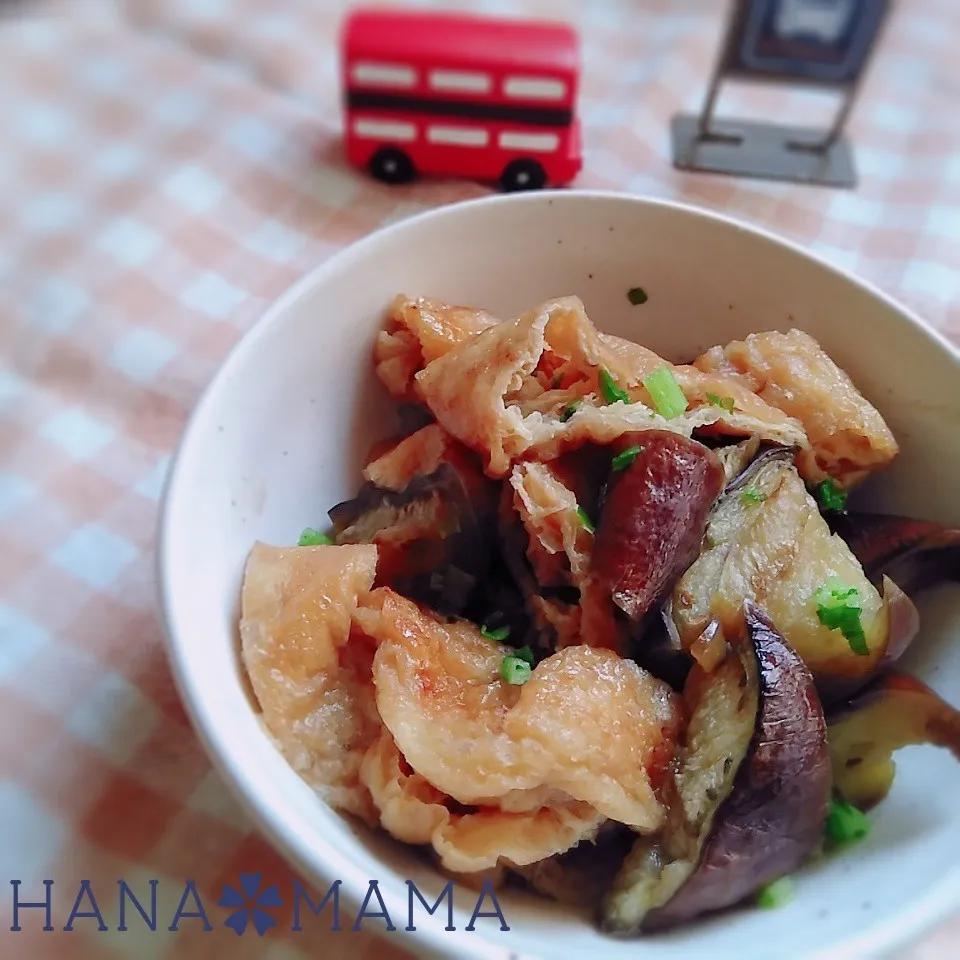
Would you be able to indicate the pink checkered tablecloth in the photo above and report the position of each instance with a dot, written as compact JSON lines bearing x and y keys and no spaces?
{"x":167,"y":169}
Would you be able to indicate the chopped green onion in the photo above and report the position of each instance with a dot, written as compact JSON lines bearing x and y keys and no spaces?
{"x":571,"y":409}
{"x":515,"y":671}
{"x":831,"y":497}
{"x":752,"y":495}
{"x":585,"y":520}
{"x":313,"y":538}
{"x":665,"y":393}
{"x":608,"y":387}
{"x":637,"y":295}
{"x":776,"y":894}
{"x":623,"y":460}
{"x":845,"y":824}
{"x":725,"y":403}
{"x":839,"y":607}
{"x":525,"y":654}
{"x":499,"y":634}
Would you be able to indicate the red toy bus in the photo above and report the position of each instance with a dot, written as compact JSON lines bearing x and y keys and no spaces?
{"x":441,"y":93}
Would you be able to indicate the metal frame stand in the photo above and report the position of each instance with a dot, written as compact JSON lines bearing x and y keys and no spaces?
{"x":760,"y":149}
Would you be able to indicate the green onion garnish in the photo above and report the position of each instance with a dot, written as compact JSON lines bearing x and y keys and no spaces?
{"x":585,"y":520}
{"x":525,"y":654}
{"x":752,"y":495}
{"x":725,"y":403}
{"x":608,"y":387}
{"x":515,"y":671}
{"x":499,"y":634}
{"x":776,"y":894}
{"x":839,"y":607}
{"x":571,"y":409}
{"x":623,"y":460}
{"x":845,"y":824}
{"x":637,"y":295}
{"x":665,"y":393}
{"x":831,"y":497}
{"x":313,"y":538}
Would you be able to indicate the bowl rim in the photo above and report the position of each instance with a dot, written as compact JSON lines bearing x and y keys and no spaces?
{"x":940,"y":899}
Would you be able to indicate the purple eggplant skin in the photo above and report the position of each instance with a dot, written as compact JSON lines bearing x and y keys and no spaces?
{"x":895,"y":711}
{"x":914,"y":553}
{"x":653,"y":519}
{"x":659,"y":648}
{"x":904,"y":622}
{"x":766,"y":454}
{"x":775,"y":813}
{"x":435,"y":537}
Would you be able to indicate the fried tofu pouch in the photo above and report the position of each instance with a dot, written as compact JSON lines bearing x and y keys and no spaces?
{"x":792,"y":372}
{"x":310,"y":677}
{"x":531,"y":388}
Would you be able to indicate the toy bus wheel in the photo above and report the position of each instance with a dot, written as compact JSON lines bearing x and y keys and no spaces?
{"x":523,"y":175}
{"x":392,"y":166}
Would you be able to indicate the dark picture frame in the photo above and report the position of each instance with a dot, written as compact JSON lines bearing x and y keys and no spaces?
{"x":823,"y":42}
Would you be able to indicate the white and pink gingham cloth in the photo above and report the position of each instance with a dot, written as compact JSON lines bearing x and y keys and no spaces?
{"x":168,"y":167}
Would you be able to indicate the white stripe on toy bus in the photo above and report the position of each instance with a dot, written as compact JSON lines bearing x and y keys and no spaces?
{"x":384,"y":130}
{"x":384,"y":74}
{"x":461,"y":136}
{"x":539,"y":142}
{"x":535,"y":88}
{"x":460,"y":80}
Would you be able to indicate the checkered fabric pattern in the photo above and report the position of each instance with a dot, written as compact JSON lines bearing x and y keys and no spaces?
{"x":168,"y":168}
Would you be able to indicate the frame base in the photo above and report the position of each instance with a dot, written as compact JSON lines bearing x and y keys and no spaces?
{"x":749,"y":149}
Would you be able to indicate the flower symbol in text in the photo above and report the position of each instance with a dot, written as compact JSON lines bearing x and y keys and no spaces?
{"x":250,"y":903}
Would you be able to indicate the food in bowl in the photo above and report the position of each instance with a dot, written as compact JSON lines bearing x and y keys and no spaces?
{"x":602,"y":622}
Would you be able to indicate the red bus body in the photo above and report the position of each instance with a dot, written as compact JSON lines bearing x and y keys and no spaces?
{"x":461,"y":95}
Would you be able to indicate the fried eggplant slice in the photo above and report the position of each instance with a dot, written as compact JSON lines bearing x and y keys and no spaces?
{"x":895,"y":711}
{"x":432,"y":536}
{"x":581,"y":876}
{"x":767,"y":542}
{"x":653,"y":519}
{"x":915,"y":553}
{"x":737,"y":457}
{"x":723,"y":715}
{"x":754,"y":786}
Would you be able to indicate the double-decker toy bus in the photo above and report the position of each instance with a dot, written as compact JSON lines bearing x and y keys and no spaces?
{"x":448,"y":94}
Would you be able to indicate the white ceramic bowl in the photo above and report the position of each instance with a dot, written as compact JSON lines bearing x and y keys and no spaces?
{"x":278,"y":436}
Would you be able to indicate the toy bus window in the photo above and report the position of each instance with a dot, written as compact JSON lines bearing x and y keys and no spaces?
{"x":383,"y":74}
{"x":458,"y":136}
{"x":460,"y":81}
{"x":536,"y":142}
{"x":534,"y":88}
{"x":384,"y":130}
